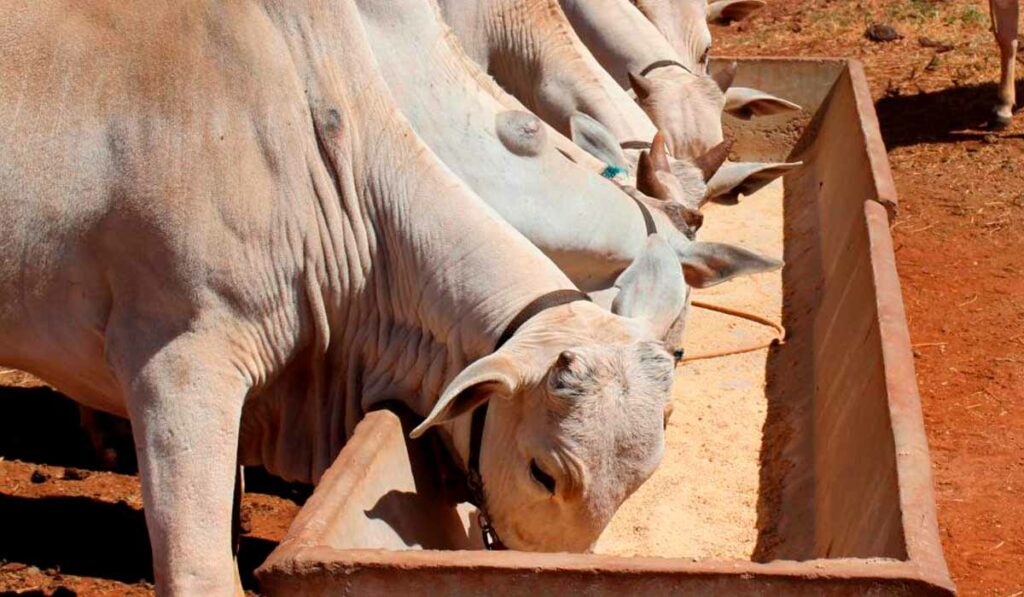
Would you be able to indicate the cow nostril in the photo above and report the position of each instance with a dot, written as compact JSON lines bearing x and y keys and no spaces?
{"x":543,"y":479}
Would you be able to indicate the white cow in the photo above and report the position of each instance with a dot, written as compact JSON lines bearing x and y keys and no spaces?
{"x":588,"y":226}
{"x":1005,"y":21}
{"x":217,"y":223}
{"x":669,"y":80}
{"x":684,"y":24}
{"x":532,"y":51}
{"x":530,"y":48}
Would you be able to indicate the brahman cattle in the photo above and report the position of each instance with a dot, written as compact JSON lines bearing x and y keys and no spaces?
{"x":217,"y":223}
{"x":585,"y":223}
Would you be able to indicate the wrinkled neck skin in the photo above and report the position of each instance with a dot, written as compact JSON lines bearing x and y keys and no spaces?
{"x":585,"y":223}
{"x":684,"y":25}
{"x":529,"y":47}
{"x":620,"y":37}
{"x":400,"y":297}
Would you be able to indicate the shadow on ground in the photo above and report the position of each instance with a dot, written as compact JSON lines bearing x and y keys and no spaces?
{"x":946,"y":116}
{"x":41,"y":426}
{"x":83,"y":536}
{"x":86,"y":537}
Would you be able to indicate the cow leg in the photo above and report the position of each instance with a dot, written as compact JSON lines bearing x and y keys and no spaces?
{"x":185,"y":415}
{"x":1004,"y":24}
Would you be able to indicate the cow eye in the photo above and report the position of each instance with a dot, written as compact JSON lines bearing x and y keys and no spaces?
{"x":543,"y":479}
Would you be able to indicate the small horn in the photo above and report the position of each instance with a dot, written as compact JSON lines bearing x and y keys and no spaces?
{"x":647,"y":178}
{"x":725,"y":77}
{"x":659,"y":153}
{"x":710,"y":162}
{"x":565,"y":359}
{"x":641,"y":86}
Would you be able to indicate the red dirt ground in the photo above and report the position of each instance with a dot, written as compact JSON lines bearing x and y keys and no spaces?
{"x":58,"y":511}
{"x":959,"y":249}
{"x":960,"y":255}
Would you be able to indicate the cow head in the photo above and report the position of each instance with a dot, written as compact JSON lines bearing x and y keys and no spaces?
{"x":577,"y":400}
{"x":687,"y":107}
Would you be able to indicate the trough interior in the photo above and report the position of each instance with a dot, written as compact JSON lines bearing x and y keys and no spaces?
{"x":822,"y":473}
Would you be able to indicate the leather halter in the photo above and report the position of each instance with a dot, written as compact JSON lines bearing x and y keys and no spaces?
{"x":474,"y":480}
{"x":648,"y":219}
{"x":635,"y":145}
{"x":662,"y":64}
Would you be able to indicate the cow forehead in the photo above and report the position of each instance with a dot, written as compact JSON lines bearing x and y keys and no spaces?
{"x":619,"y":445}
{"x":612,"y":403}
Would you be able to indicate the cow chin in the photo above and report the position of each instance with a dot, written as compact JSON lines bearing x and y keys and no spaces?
{"x":547,"y":535}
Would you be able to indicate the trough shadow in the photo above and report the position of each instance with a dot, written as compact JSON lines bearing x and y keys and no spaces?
{"x":949,"y":115}
{"x":442,"y":529}
{"x":785,"y":508}
{"x":80,"y":535}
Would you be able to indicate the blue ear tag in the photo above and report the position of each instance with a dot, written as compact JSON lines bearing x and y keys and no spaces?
{"x":612,"y":171}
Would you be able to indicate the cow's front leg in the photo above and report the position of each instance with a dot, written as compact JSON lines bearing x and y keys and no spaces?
{"x":185,"y":418}
{"x":1004,"y":24}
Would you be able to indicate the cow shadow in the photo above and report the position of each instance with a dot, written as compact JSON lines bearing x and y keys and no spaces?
{"x":86,"y":537}
{"x":80,"y":535}
{"x":428,"y":516}
{"x":951,"y":115}
{"x":40,"y":425}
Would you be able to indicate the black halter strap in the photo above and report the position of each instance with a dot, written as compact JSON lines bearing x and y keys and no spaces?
{"x":476,"y":434}
{"x":648,"y":219}
{"x":635,"y":145}
{"x":662,"y":64}
{"x":542,"y":303}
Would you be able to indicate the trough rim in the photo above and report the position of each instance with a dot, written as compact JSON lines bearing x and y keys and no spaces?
{"x":925,"y":565}
{"x":878,"y":156}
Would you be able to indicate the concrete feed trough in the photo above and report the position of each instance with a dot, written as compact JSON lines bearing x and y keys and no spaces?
{"x":837,"y":469}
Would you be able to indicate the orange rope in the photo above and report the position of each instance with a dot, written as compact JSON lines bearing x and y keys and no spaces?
{"x":780,"y":332}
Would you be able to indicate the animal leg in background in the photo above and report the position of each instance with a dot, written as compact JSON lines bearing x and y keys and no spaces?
{"x":1005,"y":14}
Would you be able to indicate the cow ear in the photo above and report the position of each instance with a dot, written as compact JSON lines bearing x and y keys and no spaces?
{"x":708,"y":264}
{"x":596,"y":140}
{"x":641,"y":85}
{"x":647,"y":181}
{"x":725,"y":77}
{"x":744,"y":178}
{"x":651,"y":289}
{"x":495,"y":374}
{"x":726,"y":11}
{"x":745,"y":103}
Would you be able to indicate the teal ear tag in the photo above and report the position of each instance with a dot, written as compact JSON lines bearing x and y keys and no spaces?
{"x":612,"y":171}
